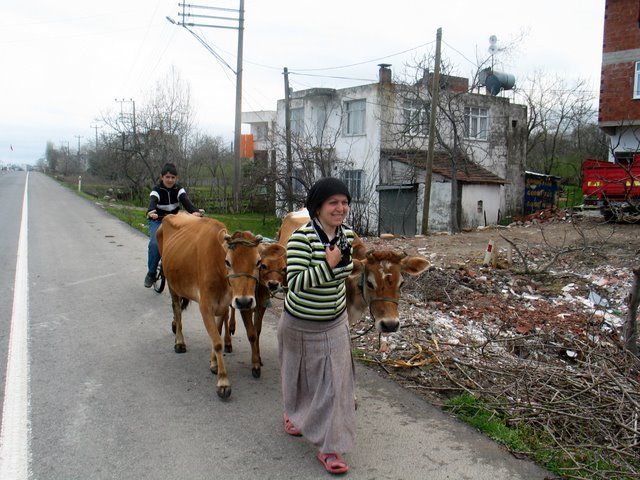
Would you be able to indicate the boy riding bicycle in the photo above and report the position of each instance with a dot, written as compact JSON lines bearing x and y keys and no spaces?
{"x":165,"y":199}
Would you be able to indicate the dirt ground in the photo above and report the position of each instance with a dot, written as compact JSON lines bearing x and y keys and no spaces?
{"x":550,"y":231}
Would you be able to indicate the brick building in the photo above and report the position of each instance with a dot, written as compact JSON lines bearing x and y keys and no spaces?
{"x":619,"y":109}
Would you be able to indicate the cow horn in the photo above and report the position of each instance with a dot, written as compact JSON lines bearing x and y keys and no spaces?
{"x":258,"y":238}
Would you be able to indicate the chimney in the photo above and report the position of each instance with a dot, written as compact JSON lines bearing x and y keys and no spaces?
{"x":384,"y":73}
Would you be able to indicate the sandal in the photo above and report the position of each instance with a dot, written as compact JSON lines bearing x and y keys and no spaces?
{"x":333,"y":462}
{"x":290,"y":428}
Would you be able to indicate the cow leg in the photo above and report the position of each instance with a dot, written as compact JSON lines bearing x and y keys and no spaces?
{"x":176,"y":325}
{"x":228,"y":323}
{"x":213,"y":327}
{"x":247,"y":318}
{"x":258,"y":315}
{"x":232,"y":322}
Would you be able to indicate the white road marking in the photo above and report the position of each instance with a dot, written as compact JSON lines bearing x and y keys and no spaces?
{"x":14,"y":437}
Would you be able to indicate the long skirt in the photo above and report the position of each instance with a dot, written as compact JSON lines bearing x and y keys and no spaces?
{"x":318,"y":380}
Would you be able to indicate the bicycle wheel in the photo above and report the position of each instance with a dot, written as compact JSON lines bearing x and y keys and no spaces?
{"x":158,"y":285}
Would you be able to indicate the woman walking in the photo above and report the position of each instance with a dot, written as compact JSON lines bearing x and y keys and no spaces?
{"x":318,"y":381}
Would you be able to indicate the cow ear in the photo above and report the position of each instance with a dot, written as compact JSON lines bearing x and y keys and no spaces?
{"x":358,"y":266}
{"x":414,"y":265}
{"x":223,"y":237}
{"x":359,"y":248}
{"x":274,"y":249}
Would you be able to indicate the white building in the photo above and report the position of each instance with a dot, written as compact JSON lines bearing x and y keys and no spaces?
{"x":375,"y":136}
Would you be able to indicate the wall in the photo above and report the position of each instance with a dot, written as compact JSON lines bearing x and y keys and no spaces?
{"x":490,"y":197}
{"x":621,"y":49}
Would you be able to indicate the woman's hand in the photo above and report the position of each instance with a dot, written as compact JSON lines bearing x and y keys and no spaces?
{"x":333,"y":256}
{"x":152,"y":215}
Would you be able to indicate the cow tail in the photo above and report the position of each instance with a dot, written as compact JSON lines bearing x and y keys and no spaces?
{"x":184,"y":303}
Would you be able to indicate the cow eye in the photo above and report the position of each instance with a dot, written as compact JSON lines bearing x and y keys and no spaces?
{"x":370,"y":285}
{"x":263,"y":266}
{"x":227,"y":263}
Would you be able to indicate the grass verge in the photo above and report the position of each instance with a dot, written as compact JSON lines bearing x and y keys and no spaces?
{"x":567,"y":463}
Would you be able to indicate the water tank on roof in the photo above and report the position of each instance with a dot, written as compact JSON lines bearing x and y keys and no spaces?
{"x":496,"y":81}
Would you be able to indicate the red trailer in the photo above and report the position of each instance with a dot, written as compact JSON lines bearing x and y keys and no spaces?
{"x":614,"y":187}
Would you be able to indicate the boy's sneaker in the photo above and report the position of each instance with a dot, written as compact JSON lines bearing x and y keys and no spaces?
{"x":149,"y":280}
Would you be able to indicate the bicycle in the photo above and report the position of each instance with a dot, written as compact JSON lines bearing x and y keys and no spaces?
{"x":160,"y":281}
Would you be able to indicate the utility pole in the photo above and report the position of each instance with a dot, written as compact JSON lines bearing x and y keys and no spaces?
{"x":287,"y":135}
{"x":133,"y":121}
{"x":78,"y":137}
{"x":96,"y":127}
{"x":79,"y":160}
{"x":238,"y":71}
{"x":435,"y":91}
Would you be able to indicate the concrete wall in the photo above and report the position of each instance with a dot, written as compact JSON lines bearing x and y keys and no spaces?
{"x":489,"y":195}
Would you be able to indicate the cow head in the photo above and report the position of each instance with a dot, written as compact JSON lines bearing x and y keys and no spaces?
{"x":380,"y":279}
{"x":242,"y":261}
{"x":273,"y":267}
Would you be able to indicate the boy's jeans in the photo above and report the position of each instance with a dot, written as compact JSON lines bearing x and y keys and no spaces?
{"x":154,"y":253}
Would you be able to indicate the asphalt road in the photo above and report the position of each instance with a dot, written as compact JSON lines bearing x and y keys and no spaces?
{"x":109,"y":399}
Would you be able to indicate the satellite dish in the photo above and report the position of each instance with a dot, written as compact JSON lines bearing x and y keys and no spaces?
{"x":493,"y":44}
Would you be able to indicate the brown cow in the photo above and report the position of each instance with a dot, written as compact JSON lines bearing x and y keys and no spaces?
{"x":375,"y":284}
{"x":204,"y":264}
{"x":376,"y":280}
{"x":272,"y":279}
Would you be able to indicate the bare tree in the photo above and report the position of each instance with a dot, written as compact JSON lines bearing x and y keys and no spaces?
{"x":559,"y":114}
{"x":151,"y":133}
{"x":211,"y":155}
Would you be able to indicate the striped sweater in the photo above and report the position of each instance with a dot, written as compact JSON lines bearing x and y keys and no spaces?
{"x":315,"y":291}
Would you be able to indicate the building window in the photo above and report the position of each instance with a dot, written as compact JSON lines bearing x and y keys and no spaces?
{"x":355,"y":117}
{"x":480,"y":206}
{"x":297,"y":121}
{"x":416,"y":117}
{"x":354,"y":180}
{"x":476,"y":122}
{"x":261,"y":130}
{"x":636,"y":83}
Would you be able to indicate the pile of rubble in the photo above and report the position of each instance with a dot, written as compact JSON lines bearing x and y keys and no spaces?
{"x":539,"y":349}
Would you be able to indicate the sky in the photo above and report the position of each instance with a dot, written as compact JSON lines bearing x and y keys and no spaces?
{"x":68,"y":63}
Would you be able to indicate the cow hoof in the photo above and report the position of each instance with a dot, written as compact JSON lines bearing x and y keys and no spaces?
{"x":255,"y":372}
{"x":228,"y":349}
{"x":224,"y":392}
{"x":180,"y":348}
